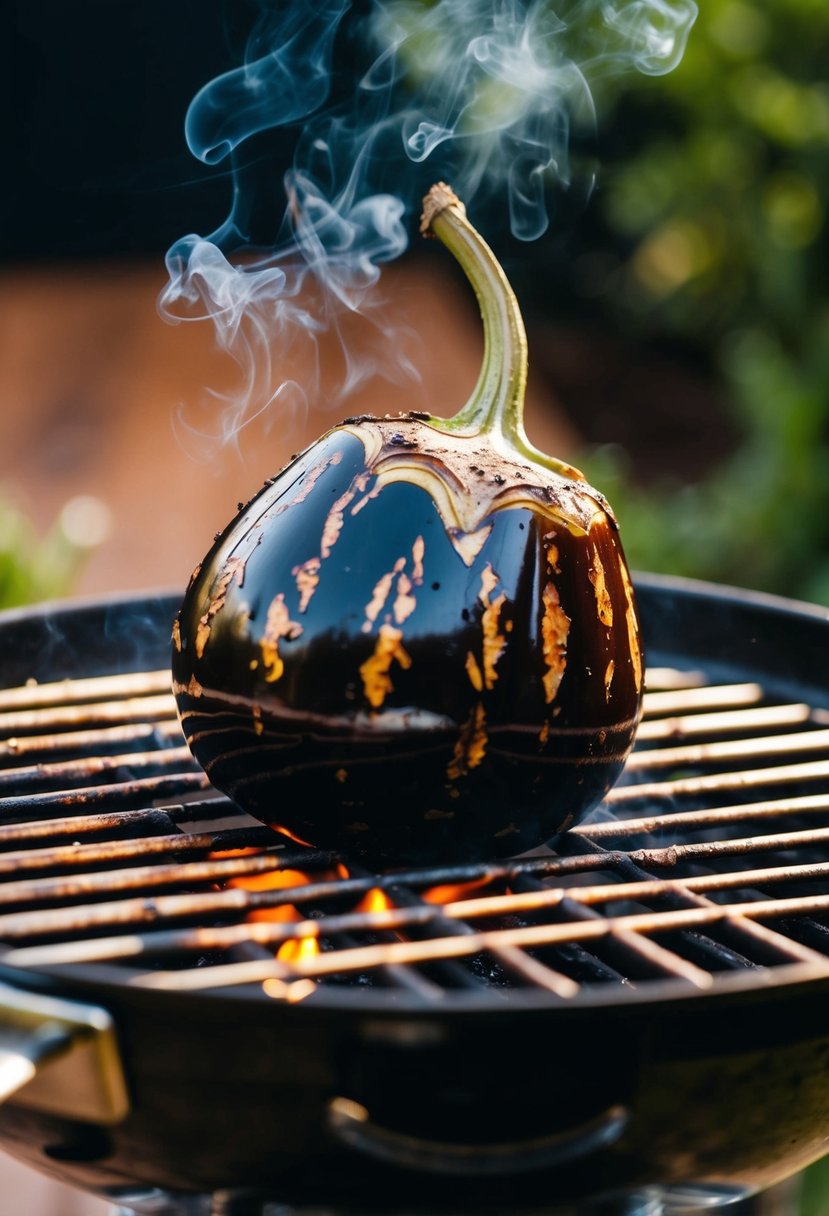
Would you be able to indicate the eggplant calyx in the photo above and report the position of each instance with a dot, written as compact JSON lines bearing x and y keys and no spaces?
{"x":495,"y":408}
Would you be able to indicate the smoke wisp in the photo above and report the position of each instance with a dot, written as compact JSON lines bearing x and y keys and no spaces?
{"x":483,"y":93}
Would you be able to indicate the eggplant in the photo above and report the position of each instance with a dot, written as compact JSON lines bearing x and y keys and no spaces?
{"x":419,"y":642}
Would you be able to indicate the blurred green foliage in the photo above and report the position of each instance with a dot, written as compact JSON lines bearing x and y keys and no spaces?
{"x":814,"y":1200}
{"x":715,"y":209}
{"x":34,"y":567}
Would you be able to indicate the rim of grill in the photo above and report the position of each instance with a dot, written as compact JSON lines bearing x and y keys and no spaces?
{"x":706,"y":869}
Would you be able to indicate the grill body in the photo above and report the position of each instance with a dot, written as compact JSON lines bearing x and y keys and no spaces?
{"x":488,"y":1097}
{"x":726,"y":1096}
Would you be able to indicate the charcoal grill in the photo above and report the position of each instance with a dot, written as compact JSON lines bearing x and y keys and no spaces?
{"x":193,"y":1004}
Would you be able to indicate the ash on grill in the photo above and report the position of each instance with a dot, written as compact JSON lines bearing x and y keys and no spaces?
{"x":707,"y":860}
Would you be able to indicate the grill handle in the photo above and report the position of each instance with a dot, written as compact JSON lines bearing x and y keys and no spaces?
{"x":60,"y":1056}
{"x":351,"y":1124}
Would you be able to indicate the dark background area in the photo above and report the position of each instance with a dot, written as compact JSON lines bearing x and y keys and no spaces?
{"x":107,"y":409}
{"x":95,"y":94}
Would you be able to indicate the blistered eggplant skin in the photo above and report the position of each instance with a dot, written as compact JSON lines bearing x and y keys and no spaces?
{"x":408,"y":661}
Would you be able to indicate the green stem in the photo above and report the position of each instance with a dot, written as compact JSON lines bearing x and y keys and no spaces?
{"x":496,"y":406}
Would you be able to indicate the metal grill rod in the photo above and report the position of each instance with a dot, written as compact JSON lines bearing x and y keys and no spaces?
{"x":41,"y":889}
{"x":119,"y":793}
{"x":734,"y":749}
{"x":708,"y":817}
{"x":367,"y":957}
{"x":146,"y":821}
{"x":707,"y":696}
{"x":402,"y":918}
{"x":41,"y":776}
{"x":89,"y":742}
{"x":443,"y":935}
{"x":654,"y":730}
{"x":79,"y":691}
{"x":44,"y":922}
{"x":63,"y":717}
{"x":746,"y":779}
{"x":749,"y":937}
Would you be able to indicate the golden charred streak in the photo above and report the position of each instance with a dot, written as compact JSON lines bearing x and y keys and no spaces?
{"x":608,"y":678}
{"x":474,"y":672}
{"x":375,"y":606}
{"x":307,"y":580}
{"x":489,"y":581}
{"x":418,"y":553}
{"x":365,"y":500}
{"x":404,"y":603}
{"x":257,"y":720}
{"x":309,"y":481}
{"x":494,"y":642}
{"x":177,"y":634}
{"x":375,"y":671}
{"x":236,"y":566}
{"x":191,"y":689}
{"x":544,"y":734}
{"x":380,"y":594}
{"x":333,"y":525}
{"x":470,"y":747}
{"x":234,"y":569}
{"x":632,"y":628}
{"x":468,"y":545}
{"x":278,"y":625}
{"x":202,"y":634}
{"x":604,"y":606}
{"x":555,"y":629}
{"x":551,"y":549}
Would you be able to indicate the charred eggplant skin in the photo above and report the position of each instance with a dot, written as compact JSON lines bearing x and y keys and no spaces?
{"x":351,"y":668}
{"x":419,"y":642}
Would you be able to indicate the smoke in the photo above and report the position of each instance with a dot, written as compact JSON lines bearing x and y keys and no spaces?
{"x":483,"y":93}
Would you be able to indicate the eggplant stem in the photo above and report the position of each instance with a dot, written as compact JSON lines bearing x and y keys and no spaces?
{"x":496,"y":405}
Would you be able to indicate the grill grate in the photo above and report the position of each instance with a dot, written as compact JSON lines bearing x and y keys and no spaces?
{"x":709,"y":860}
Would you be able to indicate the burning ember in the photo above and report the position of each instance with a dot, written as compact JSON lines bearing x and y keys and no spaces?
{"x":277,"y":880}
{"x":298,"y":950}
{"x":448,"y":893}
{"x":283,"y":831}
{"x":375,"y":900}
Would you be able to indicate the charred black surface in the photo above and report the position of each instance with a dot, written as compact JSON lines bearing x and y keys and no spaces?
{"x":420,"y":640}
{"x":349,"y":667}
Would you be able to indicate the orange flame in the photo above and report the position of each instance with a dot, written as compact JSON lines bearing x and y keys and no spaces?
{"x":223,"y":854}
{"x":298,"y":950}
{"x":283,"y":831}
{"x":274,"y":880}
{"x":374,"y":900}
{"x":449,"y":892}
